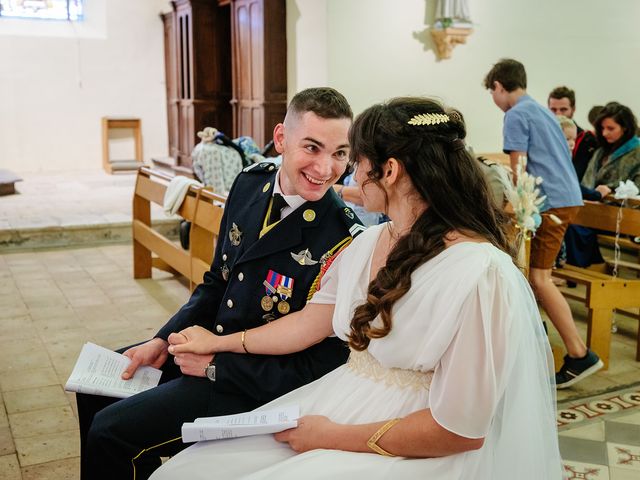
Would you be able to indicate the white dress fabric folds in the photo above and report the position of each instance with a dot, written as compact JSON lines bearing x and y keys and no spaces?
{"x":467,"y":342}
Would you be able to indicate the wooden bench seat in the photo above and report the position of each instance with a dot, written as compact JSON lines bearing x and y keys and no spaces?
{"x":604,"y":293}
{"x":151,"y":250}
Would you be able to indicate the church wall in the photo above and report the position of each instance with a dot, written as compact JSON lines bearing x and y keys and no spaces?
{"x":378,"y":49}
{"x":58,"y":79}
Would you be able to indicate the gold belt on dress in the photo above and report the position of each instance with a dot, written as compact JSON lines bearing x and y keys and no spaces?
{"x":364,"y":364}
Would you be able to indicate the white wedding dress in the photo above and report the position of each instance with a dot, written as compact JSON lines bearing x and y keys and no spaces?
{"x":467,"y":342}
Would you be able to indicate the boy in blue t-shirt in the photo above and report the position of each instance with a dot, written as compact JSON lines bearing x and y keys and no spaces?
{"x":531,"y":130}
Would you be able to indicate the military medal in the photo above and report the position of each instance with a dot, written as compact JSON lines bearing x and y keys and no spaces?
{"x":285,"y":290}
{"x":280,"y":287}
{"x":304,"y":257}
{"x":266,"y":303}
{"x":235,"y":235}
{"x":283,"y":307}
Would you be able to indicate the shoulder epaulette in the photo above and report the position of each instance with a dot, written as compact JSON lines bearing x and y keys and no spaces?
{"x":352,"y":221}
{"x":261,"y":167}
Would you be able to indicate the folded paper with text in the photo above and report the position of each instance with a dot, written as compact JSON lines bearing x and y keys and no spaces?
{"x":241,"y":424}
{"x":98,"y":371}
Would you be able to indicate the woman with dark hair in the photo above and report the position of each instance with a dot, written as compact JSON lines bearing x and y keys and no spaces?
{"x":450,"y":374}
{"x":618,"y":158}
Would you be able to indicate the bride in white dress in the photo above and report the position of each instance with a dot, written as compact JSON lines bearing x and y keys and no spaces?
{"x":450,"y":374}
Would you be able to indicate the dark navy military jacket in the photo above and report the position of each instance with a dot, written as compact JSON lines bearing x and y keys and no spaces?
{"x":229,"y":299}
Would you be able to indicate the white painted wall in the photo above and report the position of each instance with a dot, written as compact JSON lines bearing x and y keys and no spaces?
{"x":378,"y":49}
{"x":57,"y":80}
{"x":307,"y":62}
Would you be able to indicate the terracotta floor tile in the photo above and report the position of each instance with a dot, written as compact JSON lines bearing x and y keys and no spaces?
{"x":67,"y":469}
{"x":42,"y":422}
{"x":9,"y":468}
{"x":19,"y":401}
{"x":48,"y":448}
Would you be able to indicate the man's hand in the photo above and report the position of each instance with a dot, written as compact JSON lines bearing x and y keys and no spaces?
{"x":153,"y":353}
{"x":313,"y":431}
{"x":192,"y":364}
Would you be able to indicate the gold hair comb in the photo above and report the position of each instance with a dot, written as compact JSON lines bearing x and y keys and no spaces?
{"x":428,"y":119}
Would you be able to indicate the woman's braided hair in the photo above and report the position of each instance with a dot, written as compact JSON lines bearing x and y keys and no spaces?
{"x":447,"y":178}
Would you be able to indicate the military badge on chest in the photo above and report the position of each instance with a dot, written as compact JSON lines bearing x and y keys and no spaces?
{"x":235,"y":235}
{"x":278,"y":291}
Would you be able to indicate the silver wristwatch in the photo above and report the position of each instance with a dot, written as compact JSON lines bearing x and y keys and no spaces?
{"x":210,"y":370}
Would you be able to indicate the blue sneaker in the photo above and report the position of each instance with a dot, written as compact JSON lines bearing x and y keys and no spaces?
{"x":575,"y":369}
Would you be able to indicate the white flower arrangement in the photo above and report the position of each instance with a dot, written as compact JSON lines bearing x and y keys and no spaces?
{"x":525,"y":199}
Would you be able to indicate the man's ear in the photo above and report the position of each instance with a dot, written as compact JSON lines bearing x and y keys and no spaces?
{"x":497,"y":86}
{"x":278,"y":138}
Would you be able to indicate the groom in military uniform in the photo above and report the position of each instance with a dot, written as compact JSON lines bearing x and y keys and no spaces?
{"x":280,"y":229}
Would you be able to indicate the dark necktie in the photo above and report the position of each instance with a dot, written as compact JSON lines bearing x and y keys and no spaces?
{"x":278,"y":204}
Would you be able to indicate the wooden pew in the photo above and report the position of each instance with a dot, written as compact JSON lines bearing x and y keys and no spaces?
{"x":604,"y":293}
{"x":150,"y":249}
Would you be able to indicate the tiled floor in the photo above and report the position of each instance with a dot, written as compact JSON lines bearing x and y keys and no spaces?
{"x":600,"y":437}
{"x":52,"y":301}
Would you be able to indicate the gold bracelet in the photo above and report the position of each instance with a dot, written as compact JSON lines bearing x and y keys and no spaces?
{"x":371,"y":443}
{"x":242,"y":340}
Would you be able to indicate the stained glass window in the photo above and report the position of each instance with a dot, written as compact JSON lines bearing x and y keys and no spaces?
{"x":42,"y":9}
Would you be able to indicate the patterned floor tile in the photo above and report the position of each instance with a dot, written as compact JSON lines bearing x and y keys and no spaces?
{"x":625,"y":457}
{"x":585,"y":471}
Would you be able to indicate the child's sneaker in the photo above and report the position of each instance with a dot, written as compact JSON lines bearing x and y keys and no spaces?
{"x":575,"y":369}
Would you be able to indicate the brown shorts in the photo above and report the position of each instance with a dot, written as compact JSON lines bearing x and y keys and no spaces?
{"x":547,"y":241}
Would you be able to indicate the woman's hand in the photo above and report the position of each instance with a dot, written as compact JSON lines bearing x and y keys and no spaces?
{"x":195,"y":339}
{"x":313,"y":431}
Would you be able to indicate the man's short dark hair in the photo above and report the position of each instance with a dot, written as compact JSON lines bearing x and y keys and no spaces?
{"x":509,"y":72}
{"x":564,"y":92}
{"x":325,"y":102}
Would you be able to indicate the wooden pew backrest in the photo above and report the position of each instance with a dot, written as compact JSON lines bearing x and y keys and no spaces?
{"x":150,"y":249}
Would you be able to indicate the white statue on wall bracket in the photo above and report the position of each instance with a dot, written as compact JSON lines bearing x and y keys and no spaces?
{"x":453,"y":13}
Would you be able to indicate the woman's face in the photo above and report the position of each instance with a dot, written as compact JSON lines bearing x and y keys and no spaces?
{"x":611,"y":130}
{"x":373,"y":198}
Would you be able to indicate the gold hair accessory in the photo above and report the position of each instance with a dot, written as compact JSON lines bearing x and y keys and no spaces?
{"x":242,"y":340}
{"x":455,"y":116}
{"x":371,"y":443}
{"x":429,"y":119}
